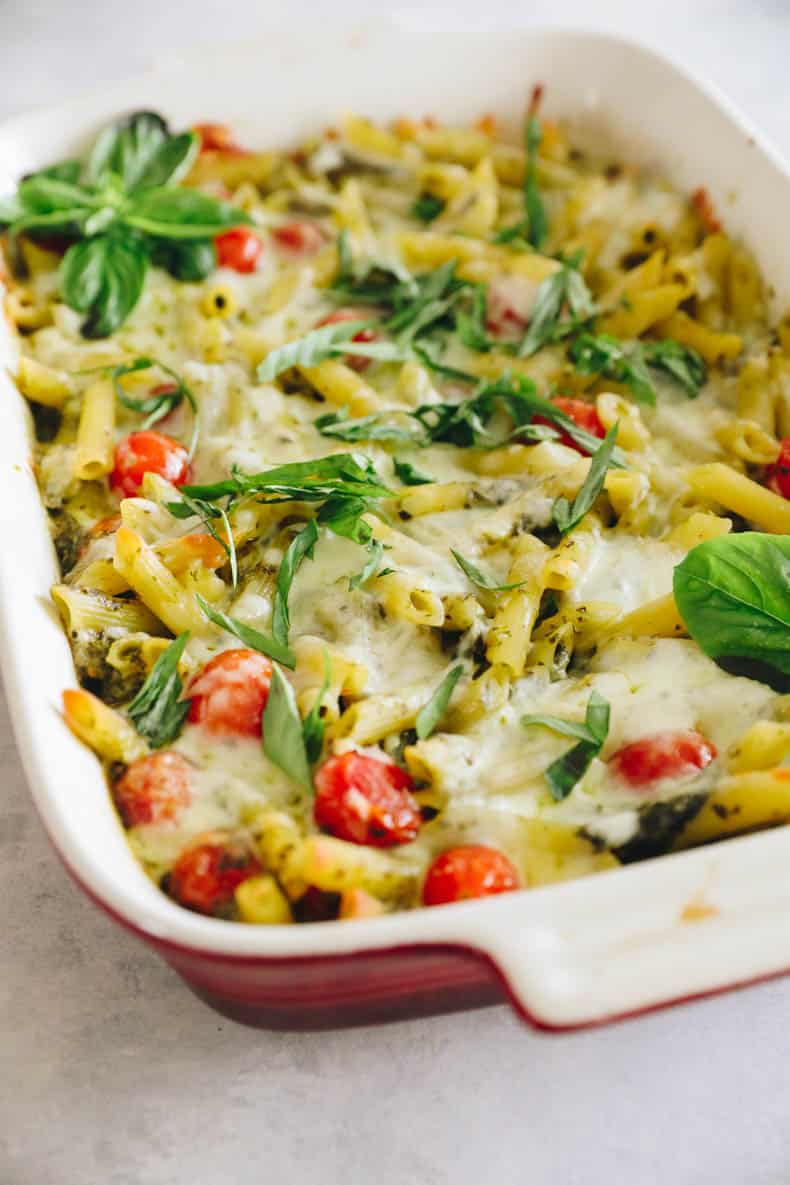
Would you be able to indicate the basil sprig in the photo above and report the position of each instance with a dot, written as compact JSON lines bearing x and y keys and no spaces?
{"x":603,"y":355}
{"x":563,"y":774}
{"x":733,"y":593}
{"x":568,"y":515}
{"x":121,"y":210}
{"x":157,"y":711}
{"x":531,"y":230}
{"x":432,"y":712}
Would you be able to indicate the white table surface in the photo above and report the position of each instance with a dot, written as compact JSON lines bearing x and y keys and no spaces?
{"x":111,"y":1073}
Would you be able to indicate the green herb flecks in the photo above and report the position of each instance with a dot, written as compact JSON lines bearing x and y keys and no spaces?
{"x":564,"y":773}
{"x":427,"y":207}
{"x":157,"y":711}
{"x":120,"y":211}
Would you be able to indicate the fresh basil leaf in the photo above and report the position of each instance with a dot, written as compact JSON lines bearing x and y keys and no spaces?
{"x":129,"y":149}
{"x":316,"y":346}
{"x":64,"y":170}
{"x":375,"y":427}
{"x":246,"y":634}
{"x":431,"y":713}
{"x":682,"y":364}
{"x":427,"y":207}
{"x":157,"y":711}
{"x":283,"y":738}
{"x":479,"y":577}
{"x":407,"y":473}
{"x":733,"y":593}
{"x":568,"y":515}
{"x":343,"y":515}
{"x":156,"y":407}
{"x":462,"y":424}
{"x":170,"y":163}
{"x":563,"y":774}
{"x":371,"y":566}
{"x":300,"y":546}
{"x":537,"y":218}
{"x":103,"y":277}
{"x":43,"y":194}
{"x":515,"y":234}
{"x":313,"y":724}
{"x":345,"y":259}
{"x":188,"y":507}
{"x":435,"y":294}
{"x":189,"y":260}
{"x":179,"y":214}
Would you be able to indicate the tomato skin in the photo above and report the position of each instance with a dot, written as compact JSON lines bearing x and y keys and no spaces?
{"x":239,"y":249}
{"x":669,"y":754}
{"x":153,"y":789}
{"x":777,"y":476}
{"x":148,"y":452}
{"x":366,"y":801}
{"x":229,"y":694}
{"x":208,"y":872}
{"x":583,"y":414}
{"x":355,"y":361}
{"x":301,"y":237}
{"x":472,"y":870}
{"x":216,"y":137}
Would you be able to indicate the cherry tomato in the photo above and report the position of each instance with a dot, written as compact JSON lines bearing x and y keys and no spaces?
{"x":777,"y":476}
{"x":366,"y":801}
{"x":153,"y":789}
{"x":473,"y":870}
{"x":207,"y":873}
{"x":583,"y":414}
{"x":228,"y":696}
{"x":668,"y":754}
{"x":701,"y":201}
{"x":216,"y":137}
{"x":239,"y":249}
{"x":302,"y":238}
{"x":148,"y":452}
{"x":355,"y":361}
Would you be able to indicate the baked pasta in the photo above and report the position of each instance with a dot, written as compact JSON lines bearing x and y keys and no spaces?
{"x":422,"y":503}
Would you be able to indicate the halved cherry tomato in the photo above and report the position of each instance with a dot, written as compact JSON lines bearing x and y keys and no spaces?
{"x":148,"y":452}
{"x":229,"y":694}
{"x":301,"y":238}
{"x":355,"y":361}
{"x":208,"y":872}
{"x":239,"y":249}
{"x":366,"y":801}
{"x":216,"y":137}
{"x":669,"y":754}
{"x":153,"y":789}
{"x":777,"y":476}
{"x":472,"y":870}
{"x":583,"y":414}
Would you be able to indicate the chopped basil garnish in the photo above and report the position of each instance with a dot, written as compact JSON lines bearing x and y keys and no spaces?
{"x":283,"y":735}
{"x":429,"y":716}
{"x":427,"y":207}
{"x":564,"y":287}
{"x":568,"y":515}
{"x":604,"y":355}
{"x":478,"y":577}
{"x":251,"y":637}
{"x":300,"y":546}
{"x":157,"y":711}
{"x":563,"y":774}
{"x":407,"y":473}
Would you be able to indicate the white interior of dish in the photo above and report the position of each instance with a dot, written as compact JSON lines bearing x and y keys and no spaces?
{"x":573,"y":952}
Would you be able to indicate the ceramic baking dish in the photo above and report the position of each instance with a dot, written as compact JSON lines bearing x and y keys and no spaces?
{"x":566,"y":955}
